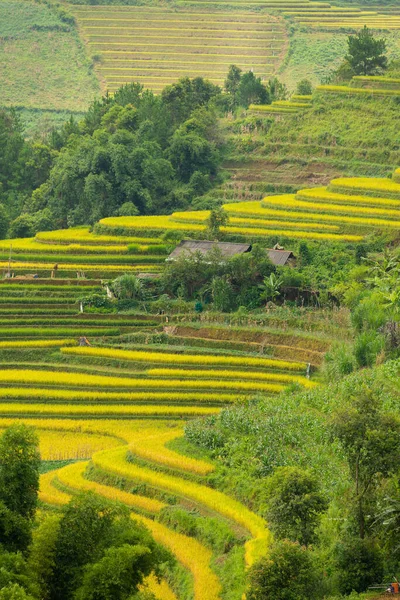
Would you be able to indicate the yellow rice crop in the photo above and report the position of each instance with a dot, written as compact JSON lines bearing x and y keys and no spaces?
{"x":80,"y":267}
{"x":186,"y":359}
{"x":37,"y":343}
{"x":192,"y":555}
{"x":85,"y":380}
{"x":160,"y":589}
{"x":82,"y":235}
{"x":322,"y":210}
{"x":202,"y":216}
{"x":366,"y":184}
{"x":70,"y":395}
{"x":48,"y":493}
{"x":210,"y":374}
{"x":188,"y":551}
{"x":368,"y":212}
{"x":105,"y":410}
{"x":114,"y":461}
{"x":71,"y":476}
{"x":65,"y":445}
{"x":32,"y":245}
{"x":324,"y":195}
{"x":123,"y":429}
{"x":343,"y":89}
{"x":148,"y":223}
{"x":150,"y":445}
{"x":290,"y":233}
{"x":164,"y":223}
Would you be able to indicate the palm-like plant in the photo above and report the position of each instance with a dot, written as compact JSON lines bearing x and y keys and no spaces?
{"x":271,"y":287}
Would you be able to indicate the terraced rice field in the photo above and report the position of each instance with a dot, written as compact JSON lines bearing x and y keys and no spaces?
{"x":103,"y":404}
{"x":117,"y":408}
{"x":363,"y":85}
{"x":156,"y":46}
{"x":321,"y":15}
{"x":77,"y":252}
{"x":294,"y":105}
{"x":345,"y":211}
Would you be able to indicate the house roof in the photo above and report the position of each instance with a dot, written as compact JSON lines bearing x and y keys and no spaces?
{"x":279,"y":257}
{"x":203,"y":246}
{"x":227,"y":249}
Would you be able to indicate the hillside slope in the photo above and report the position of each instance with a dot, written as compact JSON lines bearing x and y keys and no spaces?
{"x":44,"y":68}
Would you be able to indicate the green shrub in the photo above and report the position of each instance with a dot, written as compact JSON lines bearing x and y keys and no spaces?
{"x":367,"y":347}
{"x":339,"y":361}
{"x":359,"y":564}
{"x":304,"y":87}
{"x":288,"y":573}
{"x":294,"y":504}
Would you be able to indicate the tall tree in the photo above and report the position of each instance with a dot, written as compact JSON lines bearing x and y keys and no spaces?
{"x":365,"y":54}
{"x":19,"y":469}
{"x":218,"y":218}
{"x":232,"y":83}
{"x":117,"y":575}
{"x":287,"y":573}
{"x":371,"y":443}
{"x":252,"y":91}
{"x":295,"y":504}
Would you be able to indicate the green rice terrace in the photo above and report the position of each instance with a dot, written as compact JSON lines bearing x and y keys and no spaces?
{"x":157,"y":46}
{"x":310,"y":140}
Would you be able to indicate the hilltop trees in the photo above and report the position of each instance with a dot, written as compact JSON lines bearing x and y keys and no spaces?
{"x":245,"y":88}
{"x":366,"y":55}
{"x":137,"y":156}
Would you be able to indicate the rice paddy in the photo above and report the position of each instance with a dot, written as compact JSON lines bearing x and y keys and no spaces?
{"x":158,"y":45}
{"x":117,"y":407}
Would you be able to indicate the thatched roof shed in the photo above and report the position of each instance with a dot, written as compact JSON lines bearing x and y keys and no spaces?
{"x":226,"y":249}
{"x":278,"y":257}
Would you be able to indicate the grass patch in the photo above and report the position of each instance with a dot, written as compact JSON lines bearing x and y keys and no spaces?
{"x":44,"y":64}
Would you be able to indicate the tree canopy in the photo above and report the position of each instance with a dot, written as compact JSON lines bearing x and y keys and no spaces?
{"x":365,"y":54}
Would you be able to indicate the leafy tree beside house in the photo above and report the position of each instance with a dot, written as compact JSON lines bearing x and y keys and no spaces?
{"x":218,"y":218}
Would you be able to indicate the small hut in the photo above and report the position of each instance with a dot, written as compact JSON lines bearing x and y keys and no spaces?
{"x":277,"y":255}
{"x":281,"y":257}
{"x":226,"y":249}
